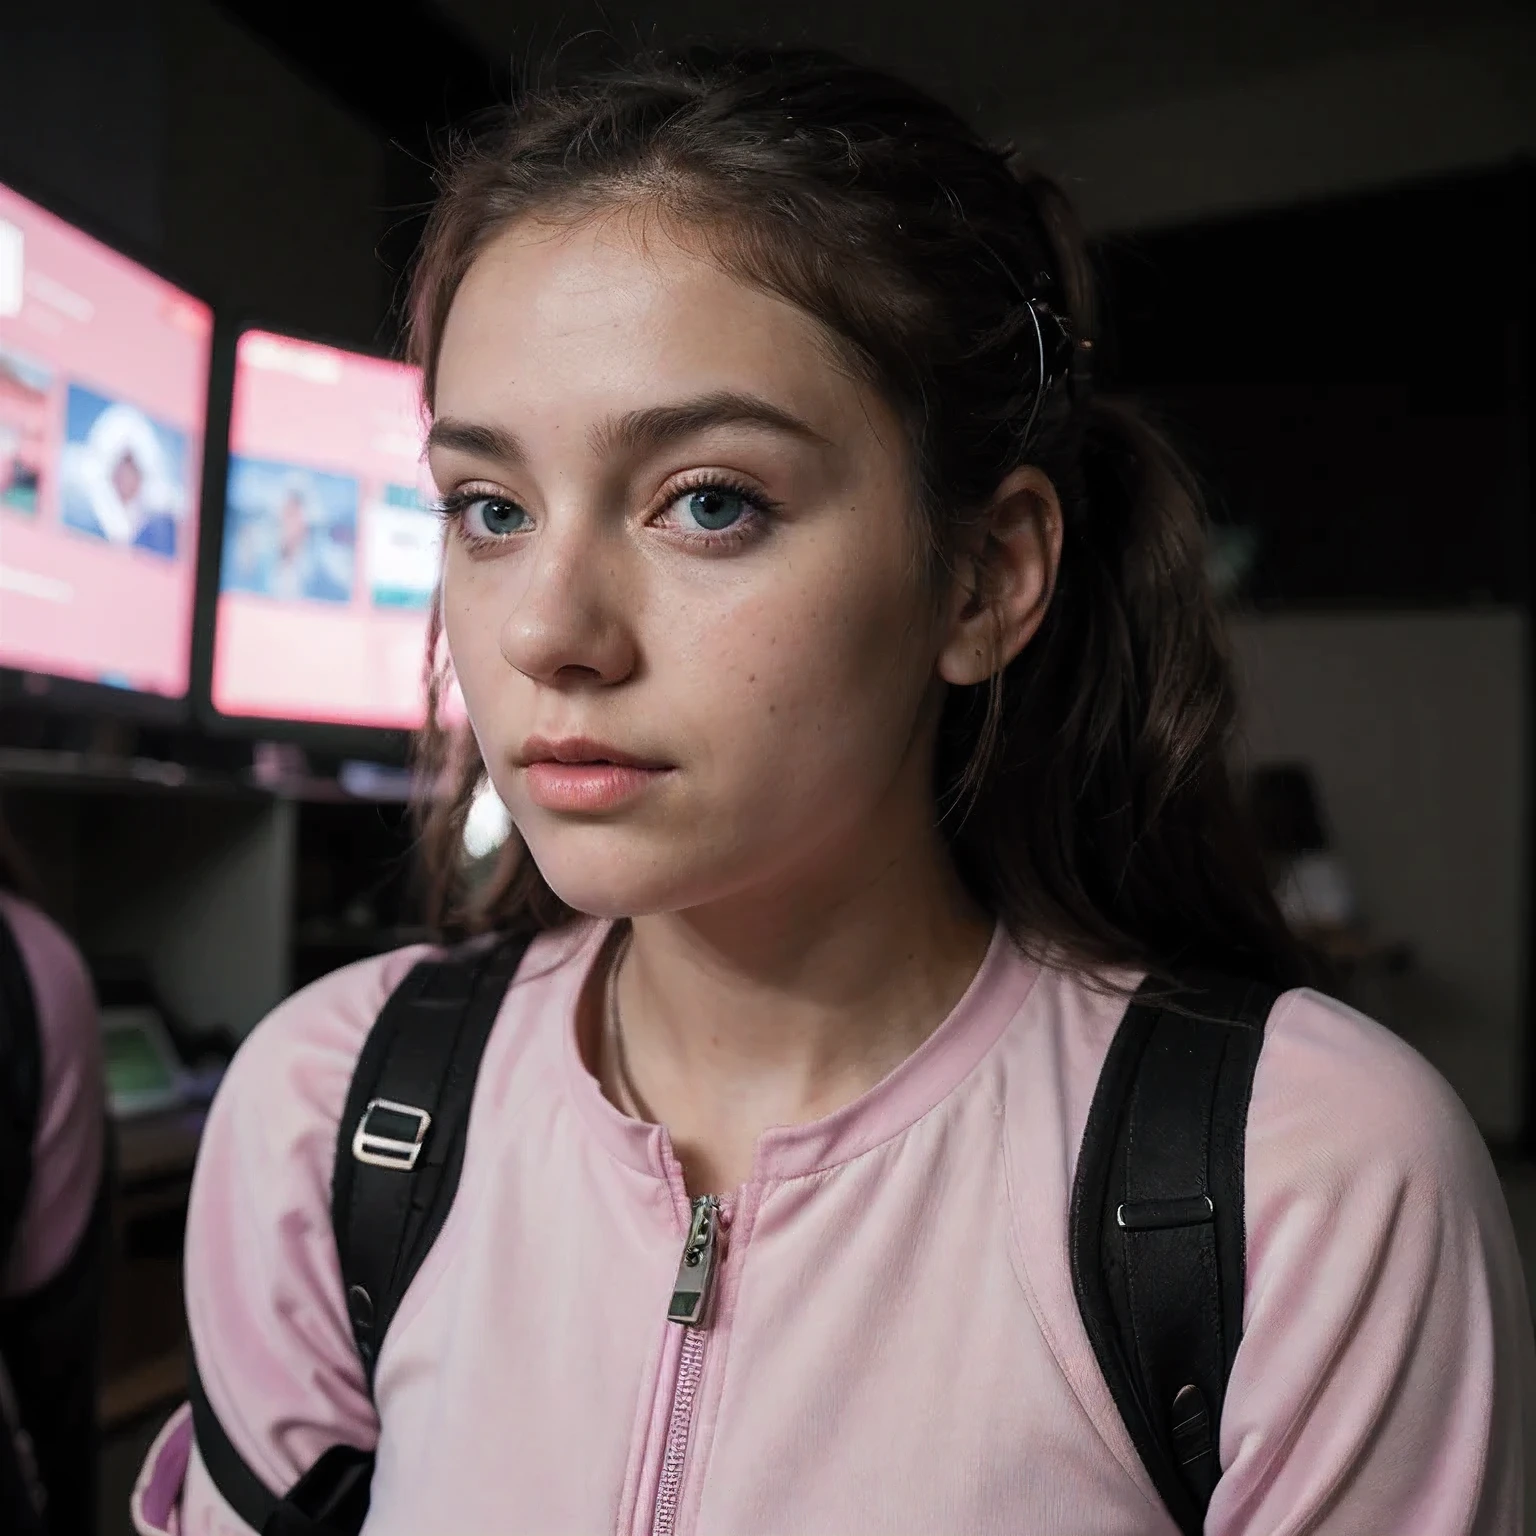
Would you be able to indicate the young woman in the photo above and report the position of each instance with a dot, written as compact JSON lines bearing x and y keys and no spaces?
{"x":846,"y":666}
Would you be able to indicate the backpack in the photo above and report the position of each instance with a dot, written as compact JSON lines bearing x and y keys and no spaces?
{"x":21,"y":1088}
{"x":1156,"y":1234}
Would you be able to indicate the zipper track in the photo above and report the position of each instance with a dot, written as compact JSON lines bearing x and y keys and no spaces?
{"x":690,"y":1367}
{"x":703,"y":1248}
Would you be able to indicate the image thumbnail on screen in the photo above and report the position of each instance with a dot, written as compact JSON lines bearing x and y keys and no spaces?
{"x":289,"y":532}
{"x":124,"y":475}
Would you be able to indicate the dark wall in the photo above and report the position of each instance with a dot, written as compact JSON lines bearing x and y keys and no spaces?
{"x":1352,"y":382}
{"x":170,"y":125}
{"x":275,"y":198}
{"x":83,"y":108}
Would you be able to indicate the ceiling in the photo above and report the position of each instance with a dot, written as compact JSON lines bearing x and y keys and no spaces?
{"x":1256,"y":110}
{"x":1014,"y":64}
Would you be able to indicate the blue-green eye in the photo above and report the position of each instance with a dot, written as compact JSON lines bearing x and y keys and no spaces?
{"x":492,"y":517}
{"x":713,"y":508}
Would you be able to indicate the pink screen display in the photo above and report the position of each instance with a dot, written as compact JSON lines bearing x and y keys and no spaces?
{"x":331,"y":546}
{"x":103,"y":399}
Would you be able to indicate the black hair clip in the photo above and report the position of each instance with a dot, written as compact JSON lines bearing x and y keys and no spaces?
{"x":1057,"y":355}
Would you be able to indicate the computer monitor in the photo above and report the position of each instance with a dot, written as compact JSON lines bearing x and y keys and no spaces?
{"x":103,"y":402}
{"x":142,"y":1071}
{"x":330,"y":549}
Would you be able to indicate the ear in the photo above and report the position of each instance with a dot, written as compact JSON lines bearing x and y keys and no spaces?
{"x":1003,"y":586}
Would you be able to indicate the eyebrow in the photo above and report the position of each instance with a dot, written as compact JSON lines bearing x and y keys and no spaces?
{"x":484,"y":442}
{"x":655,"y":427}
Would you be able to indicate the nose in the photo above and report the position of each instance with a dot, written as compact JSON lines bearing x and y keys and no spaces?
{"x":568,"y":619}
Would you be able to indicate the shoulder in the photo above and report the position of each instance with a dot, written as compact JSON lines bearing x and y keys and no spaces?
{"x":1386,"y":1363}
{"x":262,"y":1282}
{"x":263,"y":1285}
{"x":1364,"y":1171}
{"x":282,"y":1098}
{"x":325,"y":1023}
{"x":1336,"y":1096}
{"x":1385,"y":1368}
{"x":264,"y":1294}
{"x":1339,"y":1101}
{"x":1357,"y":1151}
{"x":288,"y":1081}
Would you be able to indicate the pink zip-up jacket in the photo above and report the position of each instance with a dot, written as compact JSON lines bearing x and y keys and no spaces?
{"x":893,"y":1344}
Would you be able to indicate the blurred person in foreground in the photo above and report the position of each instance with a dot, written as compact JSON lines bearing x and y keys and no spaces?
{"x":53,"y":1219}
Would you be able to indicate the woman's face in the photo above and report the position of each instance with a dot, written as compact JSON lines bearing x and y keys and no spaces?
{"x":127,"y":478}
{"x":684,"y":538}
{"x":292,"y":526}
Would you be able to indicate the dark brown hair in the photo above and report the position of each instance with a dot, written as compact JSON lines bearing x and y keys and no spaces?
{"x":1085,"y":791}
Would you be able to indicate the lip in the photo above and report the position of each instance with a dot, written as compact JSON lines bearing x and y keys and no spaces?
{"x":576,"y":750}
{"x":575,"y":773}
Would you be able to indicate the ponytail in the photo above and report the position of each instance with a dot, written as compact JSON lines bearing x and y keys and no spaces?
{"x":1107,"y":824}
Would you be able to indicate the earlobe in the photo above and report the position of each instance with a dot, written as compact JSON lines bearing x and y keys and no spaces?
{"x":1004,"y":592}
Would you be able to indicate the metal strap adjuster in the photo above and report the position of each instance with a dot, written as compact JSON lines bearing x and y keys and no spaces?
{"x":390,"y":1151}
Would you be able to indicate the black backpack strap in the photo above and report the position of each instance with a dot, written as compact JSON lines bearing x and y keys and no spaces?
{"x":399,"y":1153}
{"x":400,"y":1143}
{"x":1157,"y":1236}
{"x":21,"y":1084}
{"x":331,"y":1499}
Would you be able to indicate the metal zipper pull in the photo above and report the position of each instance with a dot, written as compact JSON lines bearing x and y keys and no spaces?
{"x":696,"y":1272}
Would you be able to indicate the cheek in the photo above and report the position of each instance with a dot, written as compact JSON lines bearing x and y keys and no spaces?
{"x":815,"y":680}
{"x":474,"y":608}
{"x":464,"y":629}
{"x":472,"y":620}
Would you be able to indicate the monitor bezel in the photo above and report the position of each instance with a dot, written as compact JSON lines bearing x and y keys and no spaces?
{"x":385,"y":744}
{"x":58,"y":692}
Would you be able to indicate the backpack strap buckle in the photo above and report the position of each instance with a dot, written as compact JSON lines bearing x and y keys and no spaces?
{"x":390,"y":1135}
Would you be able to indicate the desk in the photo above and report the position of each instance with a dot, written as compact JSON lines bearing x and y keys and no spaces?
{"x":144,"y":1333}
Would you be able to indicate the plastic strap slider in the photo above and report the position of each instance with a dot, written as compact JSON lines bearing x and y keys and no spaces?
{"x":390,"y":1135}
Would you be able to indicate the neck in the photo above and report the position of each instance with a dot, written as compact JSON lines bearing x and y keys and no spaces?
{"x":779,"y":1008}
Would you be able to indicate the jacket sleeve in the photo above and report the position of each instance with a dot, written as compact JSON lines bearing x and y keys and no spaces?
{"x":1385,"y":1377}
{"x":265,"y":1309}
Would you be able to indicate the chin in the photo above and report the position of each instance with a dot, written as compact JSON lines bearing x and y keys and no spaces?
{"x":606,"y":873}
